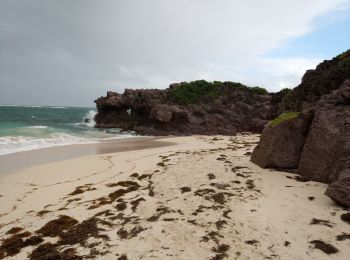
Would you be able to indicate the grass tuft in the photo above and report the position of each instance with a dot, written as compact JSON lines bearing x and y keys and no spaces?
{"x":284,"y":117}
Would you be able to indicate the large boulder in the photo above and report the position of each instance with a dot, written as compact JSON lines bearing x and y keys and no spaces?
{"x":326,"y":154}
{"x":282,"y":140}
{"x":339,"y":191}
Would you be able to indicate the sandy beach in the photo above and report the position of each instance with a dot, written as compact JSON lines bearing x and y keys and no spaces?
{"x":196,"y":197}
{"x":13,"y":162}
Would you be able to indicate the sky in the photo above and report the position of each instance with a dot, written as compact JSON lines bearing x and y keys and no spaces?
{"x":64,"y":52}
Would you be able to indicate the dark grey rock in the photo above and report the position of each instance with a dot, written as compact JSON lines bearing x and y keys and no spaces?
{"x":280,"y":146}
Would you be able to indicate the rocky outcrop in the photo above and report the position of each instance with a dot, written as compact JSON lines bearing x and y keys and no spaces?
{"x":282,"y":141}
{"x":326,"y":154}
{"x":339,"y":191}
{"x":320,"y":149}
{"x":189,"y":108}
{"x":327,"y":77}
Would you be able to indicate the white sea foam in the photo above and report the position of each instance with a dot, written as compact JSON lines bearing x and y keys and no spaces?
{"x":4,"y":105}
{"x":13,"y":144}
{"x":36,"y":126}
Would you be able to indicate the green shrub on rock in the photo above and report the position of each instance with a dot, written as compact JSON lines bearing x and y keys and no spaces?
{"x":344,"y":55}
{"x":192,"y":92}
{"x":283,"y":117}
{"x":259,"y":90}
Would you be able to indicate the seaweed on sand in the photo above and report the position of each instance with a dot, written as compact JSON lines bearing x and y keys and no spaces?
{"x":49,"y":251}
{"x":220,"y":224}
{"x":161,"y":211}
{"x":220,"y":251}
{"x":136,"y":203}
{"x":250,"y":184}
{"x":316,"y":221}
{"x":343,"y":237}
{"x":252,"y":242}
{"x":14,"y":230}
{"x":13,"y":245}
{"x":80,"y":233}
{"x":325,"y":247}
{"x":81,"y":189}
{"x":185,"y":189}
{"x":55,"y":227}
{"x":124,"y":234}
{"x":211,"y":176}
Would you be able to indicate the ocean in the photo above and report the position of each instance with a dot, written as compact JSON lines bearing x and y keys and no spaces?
{"x":24,"y":128}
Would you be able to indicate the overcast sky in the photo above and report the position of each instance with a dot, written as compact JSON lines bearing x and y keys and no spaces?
{"x":69,"y":52}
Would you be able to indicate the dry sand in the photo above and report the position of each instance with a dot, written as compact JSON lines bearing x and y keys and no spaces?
{"x":199,"y":199}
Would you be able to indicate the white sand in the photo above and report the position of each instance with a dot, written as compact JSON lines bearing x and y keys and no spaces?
{"x":275,"y":209}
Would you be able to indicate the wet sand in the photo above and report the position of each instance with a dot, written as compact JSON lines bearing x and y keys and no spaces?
{"x":17,"y":161}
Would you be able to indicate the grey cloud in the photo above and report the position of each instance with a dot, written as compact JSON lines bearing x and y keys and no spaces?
{"x":70,"y":52}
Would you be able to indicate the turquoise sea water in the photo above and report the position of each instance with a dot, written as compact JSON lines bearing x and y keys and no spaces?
{"x":25,"y":128}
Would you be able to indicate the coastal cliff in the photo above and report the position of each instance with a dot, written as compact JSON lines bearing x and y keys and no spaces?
{"x":201,"y":107}
{"x":312,"y":136}
{"x":197,"y":107}
{"x":327,"y":76}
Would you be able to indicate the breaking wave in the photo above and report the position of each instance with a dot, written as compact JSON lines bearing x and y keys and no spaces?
{"x":24,"y":129}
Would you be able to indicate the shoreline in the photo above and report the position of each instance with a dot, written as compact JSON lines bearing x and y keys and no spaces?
{"x":200,"y":198}
{"x":13,"y":162}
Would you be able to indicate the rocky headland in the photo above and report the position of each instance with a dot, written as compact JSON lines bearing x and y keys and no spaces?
{"x":187,"y":108}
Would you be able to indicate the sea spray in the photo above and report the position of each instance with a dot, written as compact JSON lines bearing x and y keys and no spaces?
{"x":89,"y":119}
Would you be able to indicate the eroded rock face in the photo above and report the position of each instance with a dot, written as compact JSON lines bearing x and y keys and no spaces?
{"x":280,"y":146}
{"x":339,"y":191}
{"x":156,"y":112}
{"x":322,"y":144}
{"x":326,"y":154}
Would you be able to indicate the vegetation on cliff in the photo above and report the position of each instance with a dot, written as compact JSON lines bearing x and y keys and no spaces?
{"x":187,"y":108}
{"x":327,"y":77}
{"x":344,"y":55}
{"x":192,"y":92}
{"x":283,"y":117}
